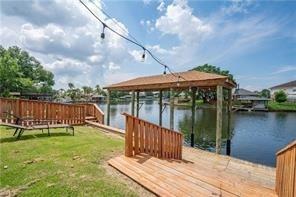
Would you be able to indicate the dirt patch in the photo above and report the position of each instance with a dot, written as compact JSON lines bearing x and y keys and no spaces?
{"x":134,"y":186}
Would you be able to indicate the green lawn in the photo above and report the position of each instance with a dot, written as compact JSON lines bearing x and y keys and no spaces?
{"x":60,"y":165}
{"x":286,"y":106}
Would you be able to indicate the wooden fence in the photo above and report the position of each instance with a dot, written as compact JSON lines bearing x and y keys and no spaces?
{"x":41,"y":110}
{"x":286,"y":171}
{"x":93,"y":110}
{"x":145,"y":137}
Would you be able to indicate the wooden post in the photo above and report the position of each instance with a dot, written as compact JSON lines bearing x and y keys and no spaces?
{"x":172,"y":109}
{"x":160,"y":108}
{"x":229,"y":100}
{"x":18,"y":108}
{"x":108,"y":107}
{"x":129,"y":125}
{"x":133,"y":103}
{"x":229,"y":108}
{"x":219,"y":119}
{"x":138,"y":103}
{"x":193,"y":97}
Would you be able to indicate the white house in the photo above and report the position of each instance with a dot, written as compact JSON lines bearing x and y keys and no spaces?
{"x":289,"y":88}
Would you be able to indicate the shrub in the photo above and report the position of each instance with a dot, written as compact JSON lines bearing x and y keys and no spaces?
{"x":280,"y":96}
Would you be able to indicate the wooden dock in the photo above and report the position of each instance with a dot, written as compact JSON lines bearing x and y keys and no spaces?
{"x":200,"y":173}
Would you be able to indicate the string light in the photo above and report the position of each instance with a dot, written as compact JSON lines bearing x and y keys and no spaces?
{"x":103,"y":32}
{"x":164,"y":72}
{"x":134,"y":41}
{"x":143,"y":55}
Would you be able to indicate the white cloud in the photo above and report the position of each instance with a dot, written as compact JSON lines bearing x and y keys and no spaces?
{"x":142,"y":22}
{"x":284,"y":69}
{"x":72,"y":50}
{"x":137,"y":55}
{"x":112,"y":77}
{"x":147,"y":2}
{"x":159,"y":50}
{"x":161,"y":6}
{"x":148,"y":24}
{"x":237,"y":6}
{"x":113,"y":66}
{"x":179,"y":20}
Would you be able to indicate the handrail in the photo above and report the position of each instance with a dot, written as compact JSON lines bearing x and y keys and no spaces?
{"x":290,"y":145}
{"x":126,"y":114}
{"x":144,"y":137}
{"x":286,"y":171}
{"x":94,"y":111}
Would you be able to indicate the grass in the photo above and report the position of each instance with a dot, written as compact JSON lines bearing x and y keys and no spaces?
{"x":60,"y":165}
{"x":286,"y":106}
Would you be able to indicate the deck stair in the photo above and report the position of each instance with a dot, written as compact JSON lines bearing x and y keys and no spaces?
{"x":91,"y":118}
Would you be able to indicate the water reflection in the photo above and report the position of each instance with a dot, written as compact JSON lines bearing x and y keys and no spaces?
{"x":252,"y":136}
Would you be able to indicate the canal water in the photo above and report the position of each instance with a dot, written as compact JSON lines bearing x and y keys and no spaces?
{"x":253,"y":136}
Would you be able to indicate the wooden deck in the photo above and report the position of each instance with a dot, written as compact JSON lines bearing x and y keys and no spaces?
{"x":200,"y":173}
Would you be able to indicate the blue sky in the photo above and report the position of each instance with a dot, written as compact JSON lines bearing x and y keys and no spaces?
{"x":255,"y":40}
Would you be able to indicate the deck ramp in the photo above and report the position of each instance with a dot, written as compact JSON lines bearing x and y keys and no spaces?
{"x":200,"y":173}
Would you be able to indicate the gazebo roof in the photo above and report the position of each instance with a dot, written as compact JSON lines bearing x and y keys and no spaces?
{"x":187,"y":79}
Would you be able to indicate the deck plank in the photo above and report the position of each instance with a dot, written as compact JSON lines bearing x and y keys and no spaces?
{"x":199,"y":174}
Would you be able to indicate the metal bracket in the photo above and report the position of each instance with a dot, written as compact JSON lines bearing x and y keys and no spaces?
{"x":163,"y":108}
{"x":140,"y":106}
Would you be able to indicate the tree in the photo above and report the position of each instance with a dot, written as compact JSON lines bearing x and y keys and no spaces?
{"x":117,"y":94}
{"x":87,"y":92}
{"x":265,"y":93}
{"x":207,"y":95}
{"x":9,"y":74}
{"x":280,"y":96}
{"x":71,"y":85}
{"x":99,"y":90}
{"x":20,"y":72}
{"x":213,"y":69}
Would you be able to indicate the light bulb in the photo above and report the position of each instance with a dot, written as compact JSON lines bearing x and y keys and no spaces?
{"x":143,"y":56}
{"x":164,"y":72}
{"x":103,"y":32}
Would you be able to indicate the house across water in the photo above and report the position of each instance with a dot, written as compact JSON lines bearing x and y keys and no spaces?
{"x":289,"y":88}
{"x":248,"y":100}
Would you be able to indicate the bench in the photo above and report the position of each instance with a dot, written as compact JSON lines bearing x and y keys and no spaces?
{"x":20,"y":128}
{"x":20,"y":125}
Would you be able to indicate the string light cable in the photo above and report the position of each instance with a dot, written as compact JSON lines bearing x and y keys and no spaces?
{"x":134,"y":41}
{"x":115,"y":22}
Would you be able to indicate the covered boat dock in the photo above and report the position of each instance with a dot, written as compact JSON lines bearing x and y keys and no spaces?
{"x":190,"y":80}
{"x":156,"y":158}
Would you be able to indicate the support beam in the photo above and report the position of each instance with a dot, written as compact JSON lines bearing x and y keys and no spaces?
{"x":137,"y":103}
{"x":172,"y":96}
{"x":108,"y":106}
{"x":219,"y":119}
{"x":229,"y":100}
{"x":133,"y":103}
{"x":193,"y":97}
{"x":160,"y":108}
{"x":229,"y":109}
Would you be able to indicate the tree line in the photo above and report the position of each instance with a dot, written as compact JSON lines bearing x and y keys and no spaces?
{"x":20,"y":72}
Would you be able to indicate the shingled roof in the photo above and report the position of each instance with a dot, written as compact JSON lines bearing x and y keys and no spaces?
{"x":285,"y":85}
{"x":244,"y":92}
{"x":186,"y":79}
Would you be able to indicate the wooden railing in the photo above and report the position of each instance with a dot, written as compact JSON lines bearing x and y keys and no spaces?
{"x":286,"y":171}
{"x":41,"y":110}
{"x":145,"y":137}
{"x":93,"y":110}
